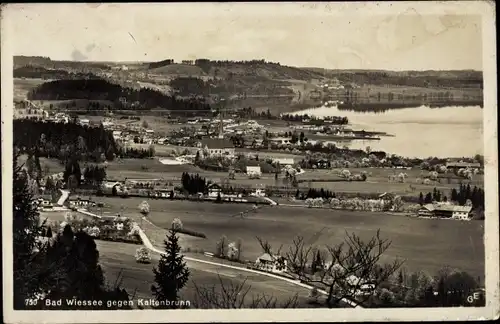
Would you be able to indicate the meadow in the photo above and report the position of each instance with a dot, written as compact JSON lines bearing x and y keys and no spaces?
{"x":23,"y":86}
{"x":424,"y":244}
{"x":377,"y":182}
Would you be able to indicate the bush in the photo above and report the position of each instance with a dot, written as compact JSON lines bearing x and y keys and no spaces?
{"x":142,"y":255}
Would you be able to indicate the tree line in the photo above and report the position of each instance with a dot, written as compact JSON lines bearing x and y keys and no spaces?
{"x":315,"y":193}
{"x":37,"y":72}
{"x":123,"y":97}
{"x":62,"y":140}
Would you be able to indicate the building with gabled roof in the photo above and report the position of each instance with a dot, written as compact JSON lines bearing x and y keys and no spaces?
{"x":218,"y":147}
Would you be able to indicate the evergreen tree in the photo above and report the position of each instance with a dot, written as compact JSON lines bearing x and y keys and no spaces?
{"x":26,"y":229}
{"x":421,"y":199}
{"x":428,"y":198}
{"x":49,"y":232}
{"x":172,"y":274}
{"x":454,"y":195}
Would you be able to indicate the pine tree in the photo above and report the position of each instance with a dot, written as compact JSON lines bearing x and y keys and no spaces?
{"x":428,"y":198}
{"x":454,"y":195}
{"x":49,"y":232}
{"x":421,"y":199}
{"x":172,"y":273}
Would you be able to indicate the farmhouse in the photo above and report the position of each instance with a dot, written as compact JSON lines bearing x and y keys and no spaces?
{"x":45,"y":201}
{"x":218,"y":147}
{"x":462,"y":165}
{"x":445,"y":211}
{"x":254,"y":170}
{"x":214,"y":190}
{"x":81,"y":202}
{"x":270,"y":263}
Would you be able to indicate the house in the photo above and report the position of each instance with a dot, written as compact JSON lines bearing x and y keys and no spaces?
{"x":81,"y":202}
{"x":443,"y":210}
{"x":254,"y":170}
{"x":270,"y":263}
{"x":214,"y":190}
{"x":426,"y":210}
{"x":462,"y":165}
{"x":461,"y":212}
{"x":45,"y":202}
{"x":284,"y":161}
{"x":218,"y":147}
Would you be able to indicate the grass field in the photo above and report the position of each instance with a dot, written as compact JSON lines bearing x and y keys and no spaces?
{"x":425,"y":244}
{"x":23,"y":86}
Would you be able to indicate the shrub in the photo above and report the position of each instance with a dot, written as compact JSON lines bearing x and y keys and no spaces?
{"x":142,"y":255}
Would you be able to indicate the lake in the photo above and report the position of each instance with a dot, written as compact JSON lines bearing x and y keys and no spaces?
{"x":418,"y":132}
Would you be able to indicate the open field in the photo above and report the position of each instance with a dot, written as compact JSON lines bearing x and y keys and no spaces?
{"x":425,"y":244}
{"x":23,"y":86}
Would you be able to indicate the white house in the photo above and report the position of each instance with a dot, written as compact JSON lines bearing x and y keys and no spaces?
{"x":218,"y":147}
{"x":254,"y":170}
{"x":214,"y":190}
{"x":461,"y":212}
{"x":270,"y":263}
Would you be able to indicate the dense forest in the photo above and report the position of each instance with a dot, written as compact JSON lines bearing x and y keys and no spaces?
{"x":34,"y":72}
{"x":123,"y":97}
{"x":63,"y":140}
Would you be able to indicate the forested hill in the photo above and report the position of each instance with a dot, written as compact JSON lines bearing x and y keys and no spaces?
{"x":123,"y":97}
{"x":37,"y":72}
{"x":234,"y":69}
{"x":437,"y":79}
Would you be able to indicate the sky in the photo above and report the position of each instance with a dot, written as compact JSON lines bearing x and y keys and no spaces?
{"x":336,"y":35}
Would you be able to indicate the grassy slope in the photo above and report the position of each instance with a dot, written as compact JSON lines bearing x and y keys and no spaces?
{"x":426,"y":244}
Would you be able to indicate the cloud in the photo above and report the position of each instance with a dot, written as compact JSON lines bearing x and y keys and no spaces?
{"x":76,"y":55}
{"x":89,"y":47}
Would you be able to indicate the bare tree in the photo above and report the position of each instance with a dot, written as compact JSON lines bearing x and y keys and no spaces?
{"x":235,"y":295}
{"x":351,"y":273}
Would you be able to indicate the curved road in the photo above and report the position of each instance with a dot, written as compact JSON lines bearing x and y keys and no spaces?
{"x":118,"y":258}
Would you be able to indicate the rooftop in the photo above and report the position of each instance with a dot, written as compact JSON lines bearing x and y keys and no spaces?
{"x":217,"y":143}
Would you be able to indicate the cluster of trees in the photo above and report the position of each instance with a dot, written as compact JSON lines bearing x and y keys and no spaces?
{"x":430,"y":197}
{"x":336,"y":120}
{"x":63,"y":140}
{"x":193,"y":183}
{"x":186,"y":86}
{"x":122,"y":97}
{"x":94,"y":174}
{"x":465,"y":193}
{"x":37,"y":72}
{"x":134,"y":153}
{"x":463,"y":196}
{"x":315,"y":193}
